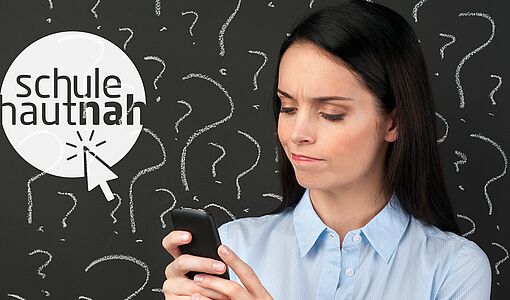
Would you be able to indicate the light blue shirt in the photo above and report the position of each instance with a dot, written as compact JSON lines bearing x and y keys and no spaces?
{"x":394,"y":256}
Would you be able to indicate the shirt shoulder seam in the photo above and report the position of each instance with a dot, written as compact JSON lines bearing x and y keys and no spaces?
{"x":443,"y":235}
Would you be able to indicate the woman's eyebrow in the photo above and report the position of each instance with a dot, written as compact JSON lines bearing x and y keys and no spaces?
{"x":320,"y":99}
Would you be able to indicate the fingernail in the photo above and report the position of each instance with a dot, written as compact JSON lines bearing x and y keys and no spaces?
{"x":184,"y":237}
{"x":195,"y":297}
{"x":218,"y":266}
{"x":223,"y":250}
{"x":199,"y":278}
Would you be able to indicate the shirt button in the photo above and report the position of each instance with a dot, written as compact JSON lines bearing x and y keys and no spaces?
{"x":349,"y":272}
{"x":356,"y":239}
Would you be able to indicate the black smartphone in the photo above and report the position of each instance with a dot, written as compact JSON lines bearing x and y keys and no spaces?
{"x":205,"y":237}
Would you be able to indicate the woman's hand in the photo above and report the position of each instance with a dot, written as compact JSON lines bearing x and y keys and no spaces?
{"x":252,"y":289}
{"x":177,"y":285}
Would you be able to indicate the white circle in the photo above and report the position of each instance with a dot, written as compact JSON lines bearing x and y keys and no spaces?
{"x":349,"y":272}
{"x":84,"y":58}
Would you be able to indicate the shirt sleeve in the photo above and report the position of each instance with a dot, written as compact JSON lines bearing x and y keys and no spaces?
{"x":469,"y":276}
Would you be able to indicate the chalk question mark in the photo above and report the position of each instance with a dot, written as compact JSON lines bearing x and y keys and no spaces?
{"x":51,"y":7}
{"x":39,"y":271}
{"x":472,"y":223}
{"x":277,"y":197}
{"x":491,"y":95}
{"x":479,"y":136}
{"x":130,"y":35}
{"x":124,"y":258}
{"x":37,"y":176}
{"x":441,"y":51}
{"x":224,"y":28}
{"x":467,"y":56}
{"x":463,"y":160}
{"x":258,"y":71}
{"x":16,"y":296}
{"x":163,"y":224}
{"x":228,"y":212}
{"x":192,"y":25}
{"x":496,"y":266}
{"x":116,"y":207}
{"x":213,"y":167}
{"x":204,"y":129}
{"x":160,"y":73}
{"x":93,"y":10}
{"x":441,"y":139}
{"x":157,"y":8}
{"x":29,"y":195}
{"x":140,"y":173}
{"x":252,"y":167}
{"x":64,"y":224}
{"x":415,"y":9}
{"x":184,"y":116}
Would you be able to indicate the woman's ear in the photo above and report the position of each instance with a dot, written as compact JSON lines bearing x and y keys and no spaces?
{"x":391,"y":131}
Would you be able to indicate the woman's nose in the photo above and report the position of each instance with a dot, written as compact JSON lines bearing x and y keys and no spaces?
{"x":303,"y":131}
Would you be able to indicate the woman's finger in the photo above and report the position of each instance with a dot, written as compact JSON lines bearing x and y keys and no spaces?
{"x":185,"y":287}
{"x":186,"y":262}
{"x":245,"y":273}
{"x":231,"y":289}
{"x":197,"y":296}
{"x":175,"y":297}
{"x":174,"y":239}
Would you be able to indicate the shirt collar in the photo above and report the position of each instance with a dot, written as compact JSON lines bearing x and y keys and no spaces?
{"x":307,"y":224}
{"x":383,"y":232}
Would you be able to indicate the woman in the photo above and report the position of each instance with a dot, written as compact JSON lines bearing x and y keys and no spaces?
{"x":365,"y":211}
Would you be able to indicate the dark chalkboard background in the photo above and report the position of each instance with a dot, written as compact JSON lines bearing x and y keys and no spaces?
{"x":473,"y":143}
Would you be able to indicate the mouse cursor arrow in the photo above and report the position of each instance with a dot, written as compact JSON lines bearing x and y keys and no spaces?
{"x":97,"y":173}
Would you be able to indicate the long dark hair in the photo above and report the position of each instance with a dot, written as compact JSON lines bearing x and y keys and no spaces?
{"x":378,"y":45}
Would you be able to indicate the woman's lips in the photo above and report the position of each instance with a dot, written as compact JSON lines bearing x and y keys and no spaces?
{"x":296,"y":157}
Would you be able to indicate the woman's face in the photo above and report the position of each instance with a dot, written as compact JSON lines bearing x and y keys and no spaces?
{"x":347,"y":136}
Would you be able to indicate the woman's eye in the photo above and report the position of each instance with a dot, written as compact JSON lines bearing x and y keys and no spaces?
{"x":332,"y":117}
{"x":286,"y":109}
{"x":329,"y":117}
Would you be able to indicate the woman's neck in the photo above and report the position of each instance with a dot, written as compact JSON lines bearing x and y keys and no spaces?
{"x":347,"y":210}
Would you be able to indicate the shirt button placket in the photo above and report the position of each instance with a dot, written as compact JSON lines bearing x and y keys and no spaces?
{"x":334,"y":259}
